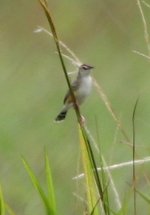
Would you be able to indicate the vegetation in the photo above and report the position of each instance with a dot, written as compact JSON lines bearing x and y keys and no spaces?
{"x":98,"y":190}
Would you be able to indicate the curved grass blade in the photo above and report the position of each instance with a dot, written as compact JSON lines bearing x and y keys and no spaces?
{"x":48,"y":206}
{"x":51,"y":193}
{"x":145,"y":197}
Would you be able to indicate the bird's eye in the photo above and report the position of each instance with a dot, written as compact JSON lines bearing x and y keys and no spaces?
{"x":85,"y":67}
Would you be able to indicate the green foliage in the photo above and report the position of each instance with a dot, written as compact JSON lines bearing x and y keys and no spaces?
{"x":30,"y":95}
{"x":145,"y":197}
{"x":2,"y":204}
{"x":48,"y":199}
{"x":133,"y":154}
{"x":91,"y":189}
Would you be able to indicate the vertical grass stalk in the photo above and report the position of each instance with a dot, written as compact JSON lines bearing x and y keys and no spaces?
{"x":133,"y":156}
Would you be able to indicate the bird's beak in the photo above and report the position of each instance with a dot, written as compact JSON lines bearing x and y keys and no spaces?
{"x":91,"y":67}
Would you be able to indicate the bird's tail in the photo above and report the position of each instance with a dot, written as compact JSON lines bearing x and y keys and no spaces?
{"x":61,"y":116}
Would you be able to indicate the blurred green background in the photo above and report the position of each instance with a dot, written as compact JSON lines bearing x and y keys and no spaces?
{"x":32,"y":85}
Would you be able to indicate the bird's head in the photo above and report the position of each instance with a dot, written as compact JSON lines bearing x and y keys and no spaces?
{"x":85,"y":69}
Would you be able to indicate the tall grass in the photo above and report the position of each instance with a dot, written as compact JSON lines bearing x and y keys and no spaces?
{"x":96,"y":173}
{"x":49,"y":197}
{"x":91,"y":174}
{"x":89,"y":162}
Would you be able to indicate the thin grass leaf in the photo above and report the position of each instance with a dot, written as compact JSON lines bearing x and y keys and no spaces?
{"x":105,"y":185}
{"x":145,"y":26}
{"x":145,"y":197}
{"x":96,"y":204}
{"x":51,"y":193}
{"x":2,"y":203}
{"x":38,"y":187}
{"x":146,"y":4}
{"x":133,"y":156}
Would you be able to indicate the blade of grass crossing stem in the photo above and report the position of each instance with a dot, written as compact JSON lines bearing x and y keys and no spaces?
{"x":51,"y":194}
{"x":38,"y":187}
{"x":2,"y":204}
{"x":95,"y":172}
{"x":105,"y":184}
{"x":92,"y":194}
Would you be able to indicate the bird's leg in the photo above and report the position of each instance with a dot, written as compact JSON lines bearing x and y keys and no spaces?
{"x":82,"y":120}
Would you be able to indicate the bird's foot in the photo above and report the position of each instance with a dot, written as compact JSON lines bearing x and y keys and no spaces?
{"x":82,"y":120}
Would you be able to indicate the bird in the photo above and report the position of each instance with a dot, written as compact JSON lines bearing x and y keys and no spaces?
{"x":81,"y":88}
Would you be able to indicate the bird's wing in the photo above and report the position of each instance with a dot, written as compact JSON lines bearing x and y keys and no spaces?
{"x":74,"y":86}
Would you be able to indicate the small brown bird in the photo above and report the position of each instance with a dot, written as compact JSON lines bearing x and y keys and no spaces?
{"x":81,"y":88}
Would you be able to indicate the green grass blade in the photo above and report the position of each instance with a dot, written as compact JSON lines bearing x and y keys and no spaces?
{"x":133,"y":156}
{"x":146,"y":198}
{"x":92,"y":194}
{"x":2,"y":204}
{"x":51,"y":193}
{"x":93,"y":210}
{"x":97,"y":179}
{"x":38,"y":187}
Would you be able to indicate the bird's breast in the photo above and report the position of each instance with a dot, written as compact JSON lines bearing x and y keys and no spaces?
{"x":84,"y":89}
